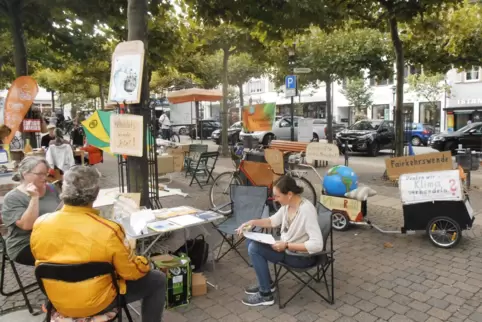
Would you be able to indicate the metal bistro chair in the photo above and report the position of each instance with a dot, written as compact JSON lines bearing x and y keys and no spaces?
{"x":25,"y":290}
{"x":204,"y":167}
{"x":247,"y":203}
{"x":325,"y":261}
{"x":195,"y":151}
{"x":74,"y":273}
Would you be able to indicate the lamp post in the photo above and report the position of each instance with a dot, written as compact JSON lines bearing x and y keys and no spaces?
{"x":394,"y":92}
{"x":291,"y":64}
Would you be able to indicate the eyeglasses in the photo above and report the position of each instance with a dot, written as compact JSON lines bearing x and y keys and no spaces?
{"x":40,"y":174}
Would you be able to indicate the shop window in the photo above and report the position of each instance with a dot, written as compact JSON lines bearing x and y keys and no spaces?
{"x":429,"y":113}
{"x":378,"y":111}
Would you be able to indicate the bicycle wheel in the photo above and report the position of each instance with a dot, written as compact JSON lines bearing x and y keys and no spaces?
{"x":219,"y":194}
{"x":175,"y":138}
{"x":309,"y":192}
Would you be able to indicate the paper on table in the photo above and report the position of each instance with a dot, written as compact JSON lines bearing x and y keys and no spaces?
{"x":139,"y":220}
{"x":186,"y":220}
{"x":259,"y":237}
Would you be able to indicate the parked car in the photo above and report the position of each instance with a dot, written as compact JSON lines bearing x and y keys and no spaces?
{"x":180,"y":129}
{"x":470,"y":136}
{"x":233,"y":134}
{"x":204,"y":129}
{"x":368,"y":136}
{"x":321,"y":124}
{"x":418,"y":133}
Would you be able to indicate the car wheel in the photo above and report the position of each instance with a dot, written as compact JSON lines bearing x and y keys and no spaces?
{"x":267,"y":139}
{"x":451,"y":146}
{"x":416,"y":141}
{"x":182,"y":131}
{"x":373,"y":149}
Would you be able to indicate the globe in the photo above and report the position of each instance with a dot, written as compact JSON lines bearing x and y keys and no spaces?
{"x":340,"y":180}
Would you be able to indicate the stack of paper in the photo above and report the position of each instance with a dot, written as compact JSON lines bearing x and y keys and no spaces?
{"x":174,"y":212}
{"x":186,"y":220}
{"x":162,"y":226}
{"x":139,"y":220}
{"x":259,"y":237}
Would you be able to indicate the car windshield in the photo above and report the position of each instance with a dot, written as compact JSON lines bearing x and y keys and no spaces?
{"x":363,"y":126}
{"x":236,"y":126}
{"x":465,"y":128}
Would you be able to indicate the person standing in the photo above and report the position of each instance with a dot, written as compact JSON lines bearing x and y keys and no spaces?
{"x":165,"y":126}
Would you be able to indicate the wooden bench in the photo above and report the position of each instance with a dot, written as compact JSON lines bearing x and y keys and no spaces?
{"x":288,"y":146}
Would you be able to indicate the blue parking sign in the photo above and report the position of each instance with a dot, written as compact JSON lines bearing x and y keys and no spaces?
{"x":290,"y":83}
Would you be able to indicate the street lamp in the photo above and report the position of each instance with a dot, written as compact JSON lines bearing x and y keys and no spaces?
{"x":291,"y":65}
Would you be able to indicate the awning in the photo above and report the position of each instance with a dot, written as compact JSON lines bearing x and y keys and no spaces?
{"x":194,"y":95}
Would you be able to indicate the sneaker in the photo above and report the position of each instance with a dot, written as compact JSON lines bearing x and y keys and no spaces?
{"x":258,"y":300}
{"x":254,"y":289}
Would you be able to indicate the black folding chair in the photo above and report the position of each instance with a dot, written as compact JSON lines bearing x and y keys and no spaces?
{"x":324,"y":262}
{"x":195,"y":151}
{"x":247,"y":203}
{"x":75,"y":273}
{"x":25,"y":290}
{"x":204,"y":167}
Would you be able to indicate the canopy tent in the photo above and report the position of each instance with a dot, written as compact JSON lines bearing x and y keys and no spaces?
{"x":194,"y":95}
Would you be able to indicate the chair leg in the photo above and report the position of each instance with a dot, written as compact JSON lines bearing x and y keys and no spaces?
{"x":128,"y":314}
{"x":232,"y":246}
{"x":2,"y":279}
{"x":22,"y":289}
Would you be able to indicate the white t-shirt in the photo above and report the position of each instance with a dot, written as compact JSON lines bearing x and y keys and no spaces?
{"x":165,"y":122}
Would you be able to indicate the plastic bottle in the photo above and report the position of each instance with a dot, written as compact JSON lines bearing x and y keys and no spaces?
{"x":28,"y":148}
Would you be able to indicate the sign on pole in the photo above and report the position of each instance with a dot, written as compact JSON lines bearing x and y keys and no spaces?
{"x":302,"y":70}
{"x":290,"y":83}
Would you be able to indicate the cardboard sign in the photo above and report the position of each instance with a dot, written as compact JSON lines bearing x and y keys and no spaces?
{"x":126,"y":73}
{"x":126,"y":134}
{"x":319,"y":151}
{"x":259,"y":117}
{"x":19,"y":99}
{"x":275,"y":159}
{"x":305,"y":130}
{"x":438,"y":161}
{"x":430,"y":186}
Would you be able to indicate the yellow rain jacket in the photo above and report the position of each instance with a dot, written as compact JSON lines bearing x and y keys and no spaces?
{"x":77,"y":235}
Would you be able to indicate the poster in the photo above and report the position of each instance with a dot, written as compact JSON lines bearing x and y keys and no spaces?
{"x":259,"y":117}
{"x":126,"y":73}
{"x":450,"y":122}
{"x":126,"y":134}
{"x":418,"y":163}
{"x":19,"y":99}
{"x":430,"y":186}
{"x":305,"y":130}
{"x":319,"y":151}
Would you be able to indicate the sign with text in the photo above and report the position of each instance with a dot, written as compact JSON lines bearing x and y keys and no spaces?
{"x":259,"y":117}
{"x":418,"y":163}
{"x":305,"y":130}
{"x":430,"y":186}
{"x":319,"y":151}
{"x":32,"y":125}
{"x":126,"y":134}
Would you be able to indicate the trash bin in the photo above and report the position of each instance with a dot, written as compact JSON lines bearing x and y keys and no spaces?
{"x":463,"y":160}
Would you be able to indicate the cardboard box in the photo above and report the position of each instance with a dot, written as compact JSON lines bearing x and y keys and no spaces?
{"x":184,"y":147}
{"x":178,"y":157}
{"x":165,"y":164}
{"x":199,"y":284}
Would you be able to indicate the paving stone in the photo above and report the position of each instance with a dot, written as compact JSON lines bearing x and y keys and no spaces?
{"x":382,"y":313}
{"x":365,"y":317}
{"x":439,"y":313}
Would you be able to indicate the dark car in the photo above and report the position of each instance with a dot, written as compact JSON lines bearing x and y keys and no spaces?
{"x":205,"y":128}
{"x":233,"y":134}
{"x":368,"y":136}
{"x":470,"y":136}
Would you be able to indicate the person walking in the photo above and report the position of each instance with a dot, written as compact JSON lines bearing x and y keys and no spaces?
{"x":165,"y":126}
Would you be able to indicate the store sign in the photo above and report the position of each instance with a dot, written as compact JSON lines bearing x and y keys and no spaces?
{"x":418,"y":163}
{"x":430,"y":186}
{"x":472,"y":101}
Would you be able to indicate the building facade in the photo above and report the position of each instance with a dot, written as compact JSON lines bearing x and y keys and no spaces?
{"x":453,"y":110}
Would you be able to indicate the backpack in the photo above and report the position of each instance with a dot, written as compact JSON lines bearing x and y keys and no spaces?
{"x":197,"y":250}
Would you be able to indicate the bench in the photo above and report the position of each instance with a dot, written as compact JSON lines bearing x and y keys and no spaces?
{"x":288,"y":146}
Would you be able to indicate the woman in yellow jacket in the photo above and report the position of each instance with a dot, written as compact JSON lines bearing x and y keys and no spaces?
{"x":77,"y":234}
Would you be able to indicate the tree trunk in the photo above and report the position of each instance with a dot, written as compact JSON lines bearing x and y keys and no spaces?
{"x":18,"y":37}
{"x":400,"y":65}
{"x":138,"y":174}
{"x":224,"y":113}
{"x":241,"y":101}
{"x":329,"y":111}
{"x":102,"y":96}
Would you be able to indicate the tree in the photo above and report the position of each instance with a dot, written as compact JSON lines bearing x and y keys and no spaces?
{"x":429,"y":88}
{"x":360,"y":95}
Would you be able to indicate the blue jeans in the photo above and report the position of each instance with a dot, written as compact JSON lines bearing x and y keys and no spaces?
{"x":260,"y":254}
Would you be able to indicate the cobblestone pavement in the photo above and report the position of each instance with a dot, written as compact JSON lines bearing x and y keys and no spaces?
{"x":378,"y":277}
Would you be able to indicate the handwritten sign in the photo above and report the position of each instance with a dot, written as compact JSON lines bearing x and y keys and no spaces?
{"x":319,"y":151}
{"x":351,"y":207}
{"x":32,"y":125}
{"x":430,"y":186}
{"x":418,"y":163}
{"x":126,"y":134}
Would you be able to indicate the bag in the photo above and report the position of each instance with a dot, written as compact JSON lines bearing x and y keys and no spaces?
{"x":197,"y":250}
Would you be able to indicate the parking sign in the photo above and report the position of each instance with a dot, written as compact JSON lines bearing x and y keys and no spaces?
{"x":290,"y":83}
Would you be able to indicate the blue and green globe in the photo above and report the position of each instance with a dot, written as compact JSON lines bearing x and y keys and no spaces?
{"x":340,"y":180}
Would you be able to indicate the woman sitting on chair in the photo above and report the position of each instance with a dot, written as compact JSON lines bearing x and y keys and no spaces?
{"x":300,"y":232}
{"x":33,"y":198}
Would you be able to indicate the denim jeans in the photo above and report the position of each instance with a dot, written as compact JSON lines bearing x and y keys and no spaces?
{"x":260,"y":254}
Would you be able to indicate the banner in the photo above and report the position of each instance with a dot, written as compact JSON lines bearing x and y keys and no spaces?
{"x":437,"y":161}
{"x":259,"y":117}
{"x":19,"y":99}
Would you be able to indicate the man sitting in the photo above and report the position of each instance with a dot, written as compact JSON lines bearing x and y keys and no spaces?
{"x":77,"y":234}
{"x":45,"y":142}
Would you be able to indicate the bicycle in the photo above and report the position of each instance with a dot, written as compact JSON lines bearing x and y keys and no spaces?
{"x":173,"y":136}
{"x":257,"y":174}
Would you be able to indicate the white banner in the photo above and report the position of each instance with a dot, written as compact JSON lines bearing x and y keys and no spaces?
{"x":305,"y":130}
{"x":430,"y":186}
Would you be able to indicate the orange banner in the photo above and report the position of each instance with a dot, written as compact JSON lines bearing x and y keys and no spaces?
{"x":19,"y":99}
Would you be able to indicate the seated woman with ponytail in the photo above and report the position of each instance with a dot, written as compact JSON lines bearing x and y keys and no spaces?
{"x":300,"y":232}
{"x":33,"y":198}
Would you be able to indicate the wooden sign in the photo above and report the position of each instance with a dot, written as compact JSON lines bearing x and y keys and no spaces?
{"x":438,"y":161}
{"x":126,"y":134}
{"x":126,"y":73}
{"x":319,"y":151}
